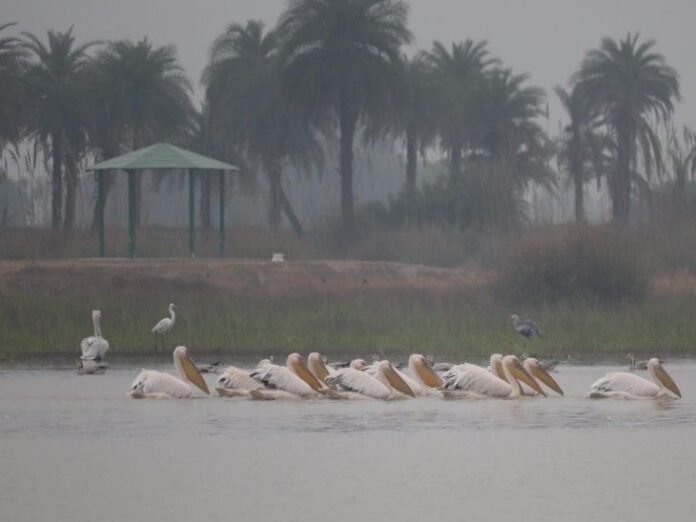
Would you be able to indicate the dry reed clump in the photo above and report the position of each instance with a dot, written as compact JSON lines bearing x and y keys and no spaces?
{"x":573,"y":264}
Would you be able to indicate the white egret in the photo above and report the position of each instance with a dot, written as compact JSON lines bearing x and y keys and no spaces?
{"x":473,"y":381}
{"x":154,"y":384}
{"x":94,"y":347}
{"x":624,"y":385}
{"x":164,"y":325}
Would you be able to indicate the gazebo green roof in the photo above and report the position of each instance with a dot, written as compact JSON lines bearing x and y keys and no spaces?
{"x":162,"y":156}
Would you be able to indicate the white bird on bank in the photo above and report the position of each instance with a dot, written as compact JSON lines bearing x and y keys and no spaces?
{"x":94,"y":347}
{"x":624,"y":385}
{"x":635,"y":365}
{"x":164,"y":325}
{"x":154,"y":384}
{"x":473,"y":381}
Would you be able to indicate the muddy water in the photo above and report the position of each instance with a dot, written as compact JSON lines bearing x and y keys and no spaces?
{"x":78,"y":449}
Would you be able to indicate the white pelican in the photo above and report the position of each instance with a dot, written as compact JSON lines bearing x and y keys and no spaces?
{"x":475,"y":381}
{"x":533,"y":367}
{"x":94,"y":347}
{"x":235,"y":382}
{"x":426,"y":380}
{"x":293,"y":381}
{"x":385,"y":384}
{"x":154,"y":384}
{"x":525,"y":327}
{"x":316,"y":365}
{"x":164,"y":325}
{"x":626,"y":385}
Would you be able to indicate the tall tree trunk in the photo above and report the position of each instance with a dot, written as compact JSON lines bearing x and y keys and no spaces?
{"x":621,"y":194}
{"x":348,"y":123}
{"x":680,"y":196}
{"x":70,"y":190}
{"x":576,"y":171}
{"x":56,"y":180}
{"x":411,"y":172}
{"x":290,"y":213}
{"x":274,"y":173}
{"x":206,"y":197}
{"x":455,"y":153}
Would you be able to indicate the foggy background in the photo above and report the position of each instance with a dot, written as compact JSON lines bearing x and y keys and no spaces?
{"x":544,"y":38}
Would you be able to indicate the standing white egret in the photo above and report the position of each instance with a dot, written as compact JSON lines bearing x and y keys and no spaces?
{"x":474,"y":381}
{"x":624,"y":385}
{"x":94,"y":347}
{"x":154,"y":384}
{"x":164,"y":325}
{"x":525,"y":327}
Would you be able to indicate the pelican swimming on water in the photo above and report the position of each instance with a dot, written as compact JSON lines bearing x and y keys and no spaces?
{"x":533,"y":367}
{"x":385,"y":384}
{"x":154,"y":384}
{"x":292,"y":381}
{"x":473,"y":381}
{"x":235,"y":382}
{"x":426,"y":380}
{"x":164,"y":325}
{"x":94,"y":347}
{"x":626,"y":385}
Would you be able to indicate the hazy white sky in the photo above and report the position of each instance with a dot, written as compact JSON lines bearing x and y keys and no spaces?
{"x":545,"y":38}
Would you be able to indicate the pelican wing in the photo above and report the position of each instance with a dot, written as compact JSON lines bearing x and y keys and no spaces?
{"x":152,"y":383}
{"x":281,"y":378}
{"x":350,"y":379}
{"x":474,"y":379}
{"x":626,"y":383}
{"x":234,"y":378}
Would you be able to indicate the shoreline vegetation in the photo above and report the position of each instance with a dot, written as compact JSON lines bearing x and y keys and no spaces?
{"x":245,"y":307}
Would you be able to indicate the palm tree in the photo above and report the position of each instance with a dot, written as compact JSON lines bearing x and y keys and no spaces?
{"x":247,"y":104}
{"x":12,"y":96}
{"x":582,"y":146}
{"x":415,"y":119}
{"x":340,"y":62}
{"x":459,"y":74}
{"x":629,"y":83}
{"x":682,"y":155}
{"x":56,"y":92}
{"x":142,"y":96}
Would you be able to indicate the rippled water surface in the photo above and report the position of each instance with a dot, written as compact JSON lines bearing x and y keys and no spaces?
{"x":76,"y":448}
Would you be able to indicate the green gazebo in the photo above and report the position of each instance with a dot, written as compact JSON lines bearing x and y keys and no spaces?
{"x":161,"y":156}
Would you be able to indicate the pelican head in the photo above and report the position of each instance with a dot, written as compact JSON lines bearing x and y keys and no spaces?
{"x":188,"y":370}
{"x":297,"y":366}
{"x":316,"y":364}
{"x":534,"y":368}
{"x":388,"y":373}
{"x":661,"y":376}
{"x":496,"y":364}
{"x":359,"y":364}
{"x":513,"y":368}
{"x":421,"y":369}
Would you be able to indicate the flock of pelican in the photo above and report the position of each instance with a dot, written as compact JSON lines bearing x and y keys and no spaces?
{"x":507,"y":377}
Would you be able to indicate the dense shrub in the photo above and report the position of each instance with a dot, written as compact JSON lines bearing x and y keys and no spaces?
{"x":569,"y":264}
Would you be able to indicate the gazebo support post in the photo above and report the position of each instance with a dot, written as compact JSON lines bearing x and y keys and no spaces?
{"x":100,"y":212}
{"x":131,"y":213}
{"x":192,"y":213}
{"x":221,"y":180}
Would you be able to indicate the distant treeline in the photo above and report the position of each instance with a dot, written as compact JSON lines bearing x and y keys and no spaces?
{"x":333,"y":75}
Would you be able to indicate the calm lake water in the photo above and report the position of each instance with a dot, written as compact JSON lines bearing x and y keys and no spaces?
{"x":76,"y":448}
